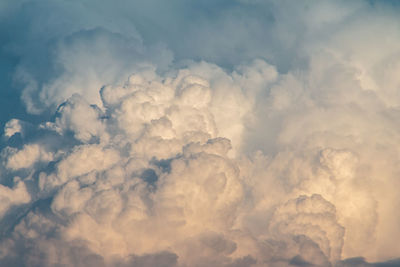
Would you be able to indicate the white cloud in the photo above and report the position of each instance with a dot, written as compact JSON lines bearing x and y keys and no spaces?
{"x":27,"y":156}
{"x":14,"y":196}
{"x":274,"y":143}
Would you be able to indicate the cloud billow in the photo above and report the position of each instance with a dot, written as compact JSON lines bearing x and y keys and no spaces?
{"x":220,"y":133}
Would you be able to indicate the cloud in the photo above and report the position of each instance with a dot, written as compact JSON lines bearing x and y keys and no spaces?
{"x":220,"y":133}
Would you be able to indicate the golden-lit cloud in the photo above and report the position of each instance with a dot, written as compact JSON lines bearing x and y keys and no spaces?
{"x":237,"y":138}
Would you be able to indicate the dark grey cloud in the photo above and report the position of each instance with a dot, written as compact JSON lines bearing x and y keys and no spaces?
{"x":362,"y":262}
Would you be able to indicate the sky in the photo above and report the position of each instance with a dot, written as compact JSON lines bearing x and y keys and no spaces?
{"x":183,"y":133}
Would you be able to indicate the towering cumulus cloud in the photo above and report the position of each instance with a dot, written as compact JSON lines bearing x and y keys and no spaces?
{"x":199,"y":133}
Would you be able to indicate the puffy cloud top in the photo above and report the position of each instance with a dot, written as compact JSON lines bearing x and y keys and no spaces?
{"x":217,"y":133}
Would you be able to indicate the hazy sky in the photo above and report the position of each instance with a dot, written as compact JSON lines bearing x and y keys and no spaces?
{"x":199,"y":133}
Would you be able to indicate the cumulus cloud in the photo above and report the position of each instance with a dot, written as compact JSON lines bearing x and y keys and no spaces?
{"x":239,"y":133}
